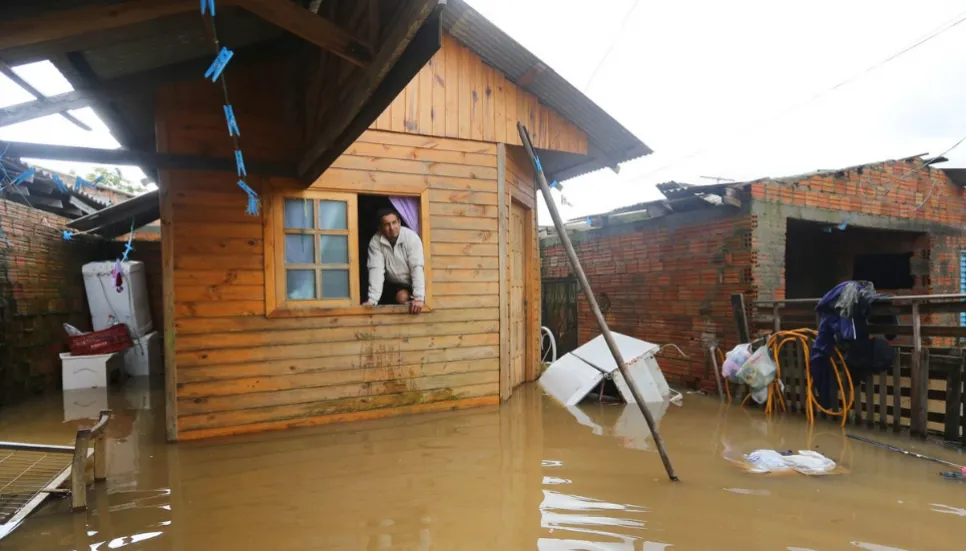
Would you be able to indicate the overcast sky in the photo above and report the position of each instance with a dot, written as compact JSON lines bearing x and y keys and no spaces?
{"x":703,"y":82}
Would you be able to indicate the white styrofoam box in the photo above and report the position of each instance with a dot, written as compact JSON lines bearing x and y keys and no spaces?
{"x":572,"y":377}
{"x":84,"y":403}
{"x":130,"y":306}
{"x":144,"y":358}
{"x":88,"y":371}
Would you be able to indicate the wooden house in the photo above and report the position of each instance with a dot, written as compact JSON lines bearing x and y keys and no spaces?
{"x":254,"y":341}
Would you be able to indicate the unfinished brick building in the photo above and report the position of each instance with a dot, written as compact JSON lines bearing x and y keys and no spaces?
{"x":664,"y":271}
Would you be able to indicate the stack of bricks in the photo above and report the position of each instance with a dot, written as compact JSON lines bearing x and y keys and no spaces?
{"x":41,"y":288}
{"x":664,"y":281}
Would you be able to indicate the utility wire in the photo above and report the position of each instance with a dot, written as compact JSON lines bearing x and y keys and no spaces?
{"x":610,"y":48}
{"x":945,"y":26}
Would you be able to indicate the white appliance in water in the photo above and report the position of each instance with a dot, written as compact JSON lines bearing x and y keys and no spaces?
{"x":130,"y":306}
{"x":572,"y":377}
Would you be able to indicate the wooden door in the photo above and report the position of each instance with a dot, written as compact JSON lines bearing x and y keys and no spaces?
{"x":519,"y":234}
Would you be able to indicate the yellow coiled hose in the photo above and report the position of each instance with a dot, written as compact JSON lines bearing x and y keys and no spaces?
{"x":776,"y":400}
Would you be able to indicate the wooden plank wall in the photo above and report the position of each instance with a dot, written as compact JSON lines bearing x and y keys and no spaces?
{"x":238,"y":371}
{"x":521,"y":187}
{"x":456,"y":95}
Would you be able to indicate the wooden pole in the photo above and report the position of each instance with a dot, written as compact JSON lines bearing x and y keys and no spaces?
{"x":78,"y":468}
{"x":589,"y":295}
{"x":717,"y":371}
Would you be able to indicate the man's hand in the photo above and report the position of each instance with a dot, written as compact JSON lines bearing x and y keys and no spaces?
{"x":369,"y":303}
{"x":416,"y":307}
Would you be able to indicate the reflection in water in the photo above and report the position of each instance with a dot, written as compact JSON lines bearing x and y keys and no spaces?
{"x":527,"y":475}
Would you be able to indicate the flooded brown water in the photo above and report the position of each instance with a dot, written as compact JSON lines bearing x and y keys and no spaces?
{"x":528,"y":475}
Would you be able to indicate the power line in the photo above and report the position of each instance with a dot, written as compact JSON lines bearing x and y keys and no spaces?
{"x":945,"y":26}
{"x":617,"y":37}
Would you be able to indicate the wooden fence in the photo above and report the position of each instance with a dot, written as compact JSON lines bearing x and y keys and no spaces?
{"x":924,"y":389}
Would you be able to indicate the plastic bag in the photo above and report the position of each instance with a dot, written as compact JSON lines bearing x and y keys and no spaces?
{"x":735,"y":359}
{"x":72,"y":331}
{"x":759,"y":371}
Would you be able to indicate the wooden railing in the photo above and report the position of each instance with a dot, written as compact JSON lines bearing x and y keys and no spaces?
{"x":77,"y":468}
{"x":924,"y":389}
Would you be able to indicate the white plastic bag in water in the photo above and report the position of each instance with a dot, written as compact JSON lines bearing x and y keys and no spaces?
{"x":759,"y":371}
{"x":735,"y":359}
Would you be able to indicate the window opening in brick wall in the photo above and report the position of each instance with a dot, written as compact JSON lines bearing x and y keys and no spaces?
{"x":885,"y":271}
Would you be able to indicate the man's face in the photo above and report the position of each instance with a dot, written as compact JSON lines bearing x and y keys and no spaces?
{"x":389,"y":226}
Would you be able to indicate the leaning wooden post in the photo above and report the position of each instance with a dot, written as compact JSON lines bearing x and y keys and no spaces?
{"x":100,"y":446}
{"x":589,"y":294}
{"x":78,"y":470}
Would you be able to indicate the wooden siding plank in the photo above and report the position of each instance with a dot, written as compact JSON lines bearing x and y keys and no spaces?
{"x":416,"y":167}
{"x":304,"y":415}
{"x":383,"y":346}
{"x":192,"y":326}
{"x":452,"y":79}
{"x":321,"y":395}
{"x":465,"y":97}
{"x":272,"y":368}
{"x":425,"y":101}
{"x":499,"y":84}
{"x":438,"y":106}
{"x":427,"y":142}
{"x":317,"y":379}
{"x":202,"y":342}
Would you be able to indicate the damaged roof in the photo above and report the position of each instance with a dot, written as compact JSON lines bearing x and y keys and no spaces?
{"x":41,"y":192}
{"x":682,"y":197}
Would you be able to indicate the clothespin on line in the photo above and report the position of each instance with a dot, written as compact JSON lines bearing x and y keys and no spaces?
{"x":253,"y":201}
{"x":218,"y":65}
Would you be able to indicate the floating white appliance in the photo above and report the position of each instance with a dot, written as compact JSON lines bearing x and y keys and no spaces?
{"x":576,"y":374}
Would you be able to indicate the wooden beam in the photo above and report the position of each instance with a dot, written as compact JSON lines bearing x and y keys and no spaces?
{"x":89,"y":19}
{"x":47,"y":106}
{"x":128,"y":157}
{"x":374,"y":24}
{"x":7,"y":71}
{"x":358,"y":93}
{"x":312,"y":28}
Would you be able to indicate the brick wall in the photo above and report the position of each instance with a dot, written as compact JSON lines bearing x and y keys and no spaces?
{"x":41,"y":288}
{"x":890,"y":196}
{"x":666,"y":280}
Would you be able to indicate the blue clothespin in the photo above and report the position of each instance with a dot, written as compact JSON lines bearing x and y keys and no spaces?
{"x":252,"y":198}
{"x":209,"y":6}
{"x":240,"y":163}
{"x":23,"y":176}
{"x":554,"y":184}
{"x":60,"y":184}
{"x":232,"y":123}
{"x":536,"y":161}
{"x":589,"y":221}
{"x":218,"y":65}
{"x":81,"y":182}
{"x":845,"y":223}
{"x":128,"y":247}
{"x":68,"y":235}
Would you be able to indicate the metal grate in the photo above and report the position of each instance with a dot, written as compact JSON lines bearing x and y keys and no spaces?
{"x":24,"y":474}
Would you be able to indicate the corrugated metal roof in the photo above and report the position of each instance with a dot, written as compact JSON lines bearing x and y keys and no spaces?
{"x":609,"y":140}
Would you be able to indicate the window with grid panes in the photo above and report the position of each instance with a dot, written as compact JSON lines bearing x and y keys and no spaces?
{"x":318,"y":265}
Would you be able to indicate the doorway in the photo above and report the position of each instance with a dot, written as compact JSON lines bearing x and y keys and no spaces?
{"x":519,"y":292}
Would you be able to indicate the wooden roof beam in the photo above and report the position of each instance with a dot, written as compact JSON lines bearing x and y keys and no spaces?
{"x":312,"y":28}
{"x":105,"y":17}
{"x":94,"y":18}
{"x":8,"y":72}
{"x":130,"y":157}
{"x":359,"y":91}
{"x":50,"y":105}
